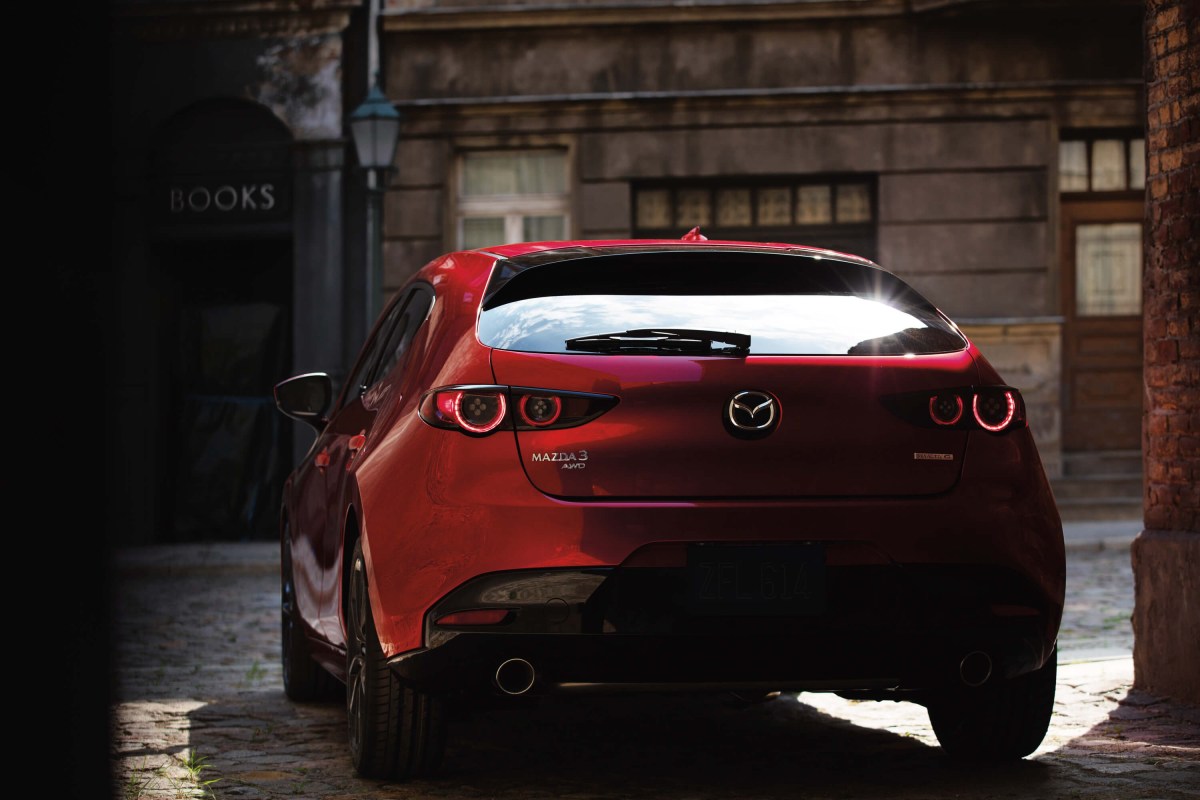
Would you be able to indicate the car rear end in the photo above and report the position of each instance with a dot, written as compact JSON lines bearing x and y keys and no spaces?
{"x":720,"y":466}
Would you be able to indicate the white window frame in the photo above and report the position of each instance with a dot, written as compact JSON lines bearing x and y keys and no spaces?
{"x":513,"y":208}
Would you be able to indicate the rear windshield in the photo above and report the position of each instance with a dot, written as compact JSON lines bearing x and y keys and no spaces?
{"x":787,"y":304}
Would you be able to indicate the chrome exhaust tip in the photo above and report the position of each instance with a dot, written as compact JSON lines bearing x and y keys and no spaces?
{"x":515,"y":676}
{"x":975,"y":668}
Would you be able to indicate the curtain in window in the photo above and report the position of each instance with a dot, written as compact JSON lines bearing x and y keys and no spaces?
{"x":491,"y":174}
{"x":1108,"y":269}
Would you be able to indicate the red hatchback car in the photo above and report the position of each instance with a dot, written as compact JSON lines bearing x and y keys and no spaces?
{"x":677,"y":464}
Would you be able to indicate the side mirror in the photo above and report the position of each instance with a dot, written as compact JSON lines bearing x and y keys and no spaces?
{"x":306,"y":398}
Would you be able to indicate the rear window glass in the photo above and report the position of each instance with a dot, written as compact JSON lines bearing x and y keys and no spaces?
{"x":787,"y":304}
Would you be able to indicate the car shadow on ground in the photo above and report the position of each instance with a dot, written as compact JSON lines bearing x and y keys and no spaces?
{"x":688,"y":746}
{"x":673,"y":746}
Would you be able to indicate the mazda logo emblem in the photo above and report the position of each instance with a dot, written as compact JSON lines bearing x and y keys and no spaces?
{"x":752,"y":414}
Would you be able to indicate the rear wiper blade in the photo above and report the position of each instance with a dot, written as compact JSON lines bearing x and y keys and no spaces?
{"x":665,"y":340}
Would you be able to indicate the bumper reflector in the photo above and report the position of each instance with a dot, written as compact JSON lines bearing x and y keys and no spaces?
{"x":476,"y":616}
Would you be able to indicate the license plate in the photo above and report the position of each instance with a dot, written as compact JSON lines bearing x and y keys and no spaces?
{"x":757,"y":579}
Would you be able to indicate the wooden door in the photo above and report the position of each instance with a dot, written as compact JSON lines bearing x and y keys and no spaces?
{"x":1102,"y":341}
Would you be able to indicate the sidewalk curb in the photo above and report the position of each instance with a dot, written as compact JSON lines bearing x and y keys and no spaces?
{"x":1098,"y":545}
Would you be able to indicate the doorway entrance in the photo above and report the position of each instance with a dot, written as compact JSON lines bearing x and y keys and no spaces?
{"x":1102,"y":334}
{"x":226,"y":341}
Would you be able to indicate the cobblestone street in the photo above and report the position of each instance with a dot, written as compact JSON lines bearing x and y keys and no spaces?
{"x":200,"y":699}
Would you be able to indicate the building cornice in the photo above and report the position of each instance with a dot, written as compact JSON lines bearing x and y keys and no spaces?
{"x":1007,"y":90}
{"x":553,"y":15}
{"x":231,"y":19}
{"x":423,"y":16}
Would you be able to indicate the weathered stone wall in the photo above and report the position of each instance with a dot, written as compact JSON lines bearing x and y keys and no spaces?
{"x":1166,"y":556}
{"x":562,"y":50}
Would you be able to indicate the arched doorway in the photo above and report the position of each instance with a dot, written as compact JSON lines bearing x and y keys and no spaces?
{"x":222,"y":256}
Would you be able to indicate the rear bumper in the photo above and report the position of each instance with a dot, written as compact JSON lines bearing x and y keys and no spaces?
{"x":881,"y":627}
{"x":422,"y":549}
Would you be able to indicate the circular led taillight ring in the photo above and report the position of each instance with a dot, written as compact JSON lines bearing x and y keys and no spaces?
{"x":958,"y":411}
{"x":556,"y":402}
{"x":446,"y":404}
{"x":490,"y":425}
{"x":997,"y":427}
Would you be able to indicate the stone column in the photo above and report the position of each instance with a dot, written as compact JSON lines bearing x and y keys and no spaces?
{"x":1166,"y":556}
{"x":318,"y":310}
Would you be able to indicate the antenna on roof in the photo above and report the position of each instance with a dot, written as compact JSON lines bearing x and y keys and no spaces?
{"x":694,"y":235}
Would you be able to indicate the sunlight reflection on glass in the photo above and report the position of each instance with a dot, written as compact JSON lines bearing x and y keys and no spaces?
{"x":778,"y":324}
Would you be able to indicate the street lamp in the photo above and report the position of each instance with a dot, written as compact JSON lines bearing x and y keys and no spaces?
{"x":375,"y":126}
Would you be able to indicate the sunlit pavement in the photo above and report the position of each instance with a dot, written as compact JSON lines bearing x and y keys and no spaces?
{"x":201,"y":711}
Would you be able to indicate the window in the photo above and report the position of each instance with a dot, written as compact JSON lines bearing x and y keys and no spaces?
{"x":512,"y":196}
{"x":415,"y":310}
{"x":359,"y":379}
{"x":837,"y":212}
{"x":389,"y":344}
{"x":787,"y":304}
{"x":1108,"y":266}
{"x":1102,"y":162}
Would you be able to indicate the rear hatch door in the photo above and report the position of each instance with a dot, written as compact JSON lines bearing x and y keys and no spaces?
{"x":702,"y":348}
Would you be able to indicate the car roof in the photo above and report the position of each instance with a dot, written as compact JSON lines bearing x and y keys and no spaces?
{"x":529,"y":254}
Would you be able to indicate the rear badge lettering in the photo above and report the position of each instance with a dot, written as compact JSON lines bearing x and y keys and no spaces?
{"x":571,"y":460}
{"x":933,"y":456}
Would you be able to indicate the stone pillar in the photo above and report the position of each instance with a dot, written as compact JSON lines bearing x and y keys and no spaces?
{"x":318,"y":328}
{"x":1166,"y":556}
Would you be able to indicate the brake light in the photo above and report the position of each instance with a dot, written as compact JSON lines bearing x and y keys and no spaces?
{"x":994,"y":409}
{"x":473,"y":409}
{"x":945,"y":409}
{"x":540,"y":411}
{"x":479,"y":410}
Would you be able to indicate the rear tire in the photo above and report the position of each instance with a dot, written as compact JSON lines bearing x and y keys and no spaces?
{"x":395,"y":731}
{"x":303,"y":678}
{"x":1005,"y":721}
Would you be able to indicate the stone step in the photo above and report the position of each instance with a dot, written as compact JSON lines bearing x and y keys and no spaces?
{"x":1087,"y":509}
{"x":1102,"y":462}
{"x":1097,"y":487}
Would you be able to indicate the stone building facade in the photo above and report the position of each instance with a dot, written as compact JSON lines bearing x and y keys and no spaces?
{"x":991,"y":153}
{"x":232,"y":230}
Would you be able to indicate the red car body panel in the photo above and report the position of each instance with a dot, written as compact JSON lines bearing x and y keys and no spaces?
{"x":660,"y":441}
{"x":436,"y":508}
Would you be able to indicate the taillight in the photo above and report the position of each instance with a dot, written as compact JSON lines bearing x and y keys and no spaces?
{"x":539,"y":411}
{"x":473,"y":409}
{"x":945,"y":409}
{"x":550,"y":409}
{"x":479,"y":410}
{"x":995,"y":409}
